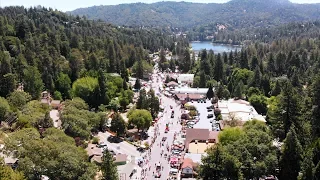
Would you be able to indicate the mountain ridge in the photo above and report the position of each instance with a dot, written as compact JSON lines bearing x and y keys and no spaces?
{"x":235,"y":13}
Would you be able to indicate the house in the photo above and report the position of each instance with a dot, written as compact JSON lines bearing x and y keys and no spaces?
{"x":188,"y":168}
{"x":198,"y":140}
{"x":120,"y":159}
{"x":184,"y":98}
{"x":187,"y":90}
{"x":185,"y":79}
{"x":94,"y":153}
{"x":128,"y":170}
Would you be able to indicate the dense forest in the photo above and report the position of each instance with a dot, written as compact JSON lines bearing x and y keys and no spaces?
{"x":71,"y":58}
{"x":234,"y":14}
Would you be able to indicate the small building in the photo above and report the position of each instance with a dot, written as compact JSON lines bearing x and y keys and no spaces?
{"x":185,"y":79}
{"x":120,"y":159}
{"x":187,"y":90}
{"x":198,"y":140}
{"x":184,"y":98}
{"x":188,"y":168}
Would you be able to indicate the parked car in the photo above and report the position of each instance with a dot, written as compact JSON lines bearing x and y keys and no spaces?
{"x":210,"y":116}
{"x":209,"y":110}
{"x":140,"y":149}
{"x":101,"y":145}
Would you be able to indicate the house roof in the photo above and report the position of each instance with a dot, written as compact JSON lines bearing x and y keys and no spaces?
{"x":181,"y":96}
{"x":214,"y":135}
{"x":185,"y":77}
{"x":187,"y":162}
{"x":172,"y":83}
{"x":121,"y":158}
{"x":183,"y":90}
{"x":195,"y":134}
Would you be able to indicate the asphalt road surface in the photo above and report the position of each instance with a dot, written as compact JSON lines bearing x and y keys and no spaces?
{"x":156,"y":149}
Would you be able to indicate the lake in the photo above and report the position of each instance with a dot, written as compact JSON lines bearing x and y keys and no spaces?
{"x":217,"y":48}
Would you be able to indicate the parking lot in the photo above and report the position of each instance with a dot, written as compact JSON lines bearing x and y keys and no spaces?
{"x":204,"y":122}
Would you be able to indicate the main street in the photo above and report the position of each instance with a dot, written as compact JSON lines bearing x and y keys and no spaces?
{"x":174,"y":127}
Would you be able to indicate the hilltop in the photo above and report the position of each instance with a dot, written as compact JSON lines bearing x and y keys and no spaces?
{"x":236,"y":13}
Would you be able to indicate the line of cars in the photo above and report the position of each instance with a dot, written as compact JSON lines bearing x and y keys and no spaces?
{"x":210,"y":116}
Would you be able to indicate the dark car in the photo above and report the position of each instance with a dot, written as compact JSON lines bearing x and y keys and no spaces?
{"x":210,"y":116}
{"x":114,"y":139}
{"x":140,"y":149}
{"x":210,"y":107}
{"x":209,"y":110}
{"x":101,"y":145}
{"x":172,"y":115}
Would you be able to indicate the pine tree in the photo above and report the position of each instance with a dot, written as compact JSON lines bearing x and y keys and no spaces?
{"x":210,"y":93}
{"x":256,"y":81}
{"x":291,"y":156}
{"x":108,"y":168}
{"x":187,"y":61}
{"x":307,"y":166}
{"x":238,"y":92}
{"x":218,"y":69}
{"x":137,"y":84}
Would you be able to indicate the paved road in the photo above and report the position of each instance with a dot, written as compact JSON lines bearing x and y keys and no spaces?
{"x":122,"y":147}
{"x":174,"y":127}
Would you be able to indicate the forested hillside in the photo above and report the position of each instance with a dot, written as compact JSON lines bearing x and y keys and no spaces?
{"x":234,"y":14}
{"x":71,"y":58}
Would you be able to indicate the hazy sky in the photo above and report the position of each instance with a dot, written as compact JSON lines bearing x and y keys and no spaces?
{"x":68,"y":5}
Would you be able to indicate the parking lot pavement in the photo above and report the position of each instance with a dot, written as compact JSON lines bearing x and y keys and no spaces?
{"x":122,"y":147}
{"x":204,"y":122}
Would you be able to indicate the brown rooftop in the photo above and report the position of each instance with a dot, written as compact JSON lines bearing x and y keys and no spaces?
{"x":187,"y":162}
{"x":195,"y":134}
{"x":191,"y":96}
{"x":120,"y":158}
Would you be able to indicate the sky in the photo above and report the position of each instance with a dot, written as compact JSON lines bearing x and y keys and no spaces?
{"x":69,"y":5}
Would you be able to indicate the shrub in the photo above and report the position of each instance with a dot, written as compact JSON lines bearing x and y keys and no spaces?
{"x":95,"y":140}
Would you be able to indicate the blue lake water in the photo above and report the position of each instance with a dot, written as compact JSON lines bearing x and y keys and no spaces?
{"x":217,"y":48}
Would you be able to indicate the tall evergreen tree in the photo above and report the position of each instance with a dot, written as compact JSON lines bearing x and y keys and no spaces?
{"x":108,"y":168}
{"x":218,"y":69}
{"x":291,"y":156}
{"x":187,"y":61}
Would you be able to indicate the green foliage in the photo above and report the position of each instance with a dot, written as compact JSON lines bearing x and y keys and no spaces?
{"x":95,"y":140}
{"x":140,"y":118}
{"x":229,"y":135}
{"x":141,"y":68}
{"x":18,"y":99}
{"x":56,"y":152}
{"x":137,"y":84}
{"x":4,"y":108}
{"x":118,"y":125}
{"x":57,"y":95}
{"x":77,"y":121}
{"x":108,"y":167}
{"x":87,"y":89}
{"x":7,"y":173}
{"x":259,"y":102}
{"x":32,"y":82}
{"x":249,"y":148}
{"x":174,"y":13}
{"x":63,"y":85}
{"x":291,"y":156}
